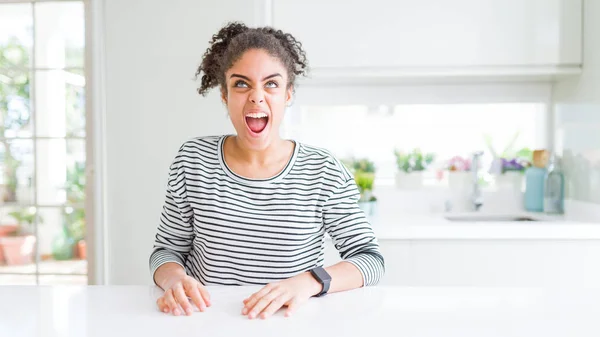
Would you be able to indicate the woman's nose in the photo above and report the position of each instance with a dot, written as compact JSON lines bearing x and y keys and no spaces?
{"x":257,"y":98}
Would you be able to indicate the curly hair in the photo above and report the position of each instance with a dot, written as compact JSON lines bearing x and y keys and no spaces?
{"x":230,"y":43}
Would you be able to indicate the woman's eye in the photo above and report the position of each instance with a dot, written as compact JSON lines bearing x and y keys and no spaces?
{"x":271,"y":84}
{"x":240,"y":84}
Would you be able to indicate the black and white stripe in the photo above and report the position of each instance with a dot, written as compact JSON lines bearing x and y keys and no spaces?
{"x":229,"y":230}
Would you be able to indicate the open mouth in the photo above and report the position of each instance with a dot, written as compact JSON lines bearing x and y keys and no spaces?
{"x":257,"y":121}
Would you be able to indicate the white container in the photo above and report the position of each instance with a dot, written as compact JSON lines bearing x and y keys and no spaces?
{"x":460,"y":191}
{"x":510,"y":180}
{"x":409,"y":181}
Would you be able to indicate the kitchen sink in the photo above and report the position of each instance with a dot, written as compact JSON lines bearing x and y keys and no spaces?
{"x":488,"y":217}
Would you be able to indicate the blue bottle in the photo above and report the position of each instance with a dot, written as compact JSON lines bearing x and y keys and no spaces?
{"x":535,"y":180}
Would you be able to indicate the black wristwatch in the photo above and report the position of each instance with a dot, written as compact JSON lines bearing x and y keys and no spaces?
{"x":322,"y":277}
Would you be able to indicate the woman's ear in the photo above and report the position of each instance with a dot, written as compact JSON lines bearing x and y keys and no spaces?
{"x":289,"y":95}
{"x":224,"y":96}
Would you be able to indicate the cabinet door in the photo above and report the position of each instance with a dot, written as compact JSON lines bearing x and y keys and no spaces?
{"x":434,"y":33}
{"x":505,"y":263}
{"x":395,"y":254}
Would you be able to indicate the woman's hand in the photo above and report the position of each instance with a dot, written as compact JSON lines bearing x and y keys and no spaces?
{"x":177,"y":292}
{"x":290,"y":293}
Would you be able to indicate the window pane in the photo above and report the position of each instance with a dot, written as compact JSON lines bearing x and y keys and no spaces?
{"x":61,"y":234}
{"x":59,"y":34}
{"x":16,"y":166}
{"x":6,"y":280}
{"x":15,"y":103}
{"x":16,"y":35}
{"x":63,"y":280}
{"x":61,"y":171}
{"x":446,"y":130}
{"x":60,"y":103}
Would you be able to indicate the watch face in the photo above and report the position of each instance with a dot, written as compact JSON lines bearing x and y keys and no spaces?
{"x":322,"y":274}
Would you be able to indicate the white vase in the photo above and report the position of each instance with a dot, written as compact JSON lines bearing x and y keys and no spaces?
{"x":512,"y":180}
{"x":460,"y":181}
{"x":461,"y":187}
{"x":409,"y":181}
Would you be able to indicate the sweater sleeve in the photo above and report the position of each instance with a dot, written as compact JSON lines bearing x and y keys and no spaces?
{"x":174,"y":235}
{"x":352,"y":234}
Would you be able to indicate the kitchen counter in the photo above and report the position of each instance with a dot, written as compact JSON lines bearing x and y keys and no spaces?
{"x":437,"y":227}
{"x":28,"y":311}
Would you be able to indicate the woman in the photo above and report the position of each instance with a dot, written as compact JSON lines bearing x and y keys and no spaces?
{"x":253,"y":208}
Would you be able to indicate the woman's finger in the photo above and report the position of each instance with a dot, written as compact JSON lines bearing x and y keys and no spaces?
{"x":194,"y":293}
{"x":182,"y":299}
{"x":292,"y":307}
{"x":263,"y":303}
{"x":254,"y":298}
{"x":275,"y":305}
{"x":205,"y":295}
{"x":171,"y":303}
{"x":160,"y":302}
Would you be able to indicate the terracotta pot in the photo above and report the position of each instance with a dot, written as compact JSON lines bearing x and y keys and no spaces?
{"x":18,"y":250}
{"x":81,"y":249}
{"x":4,"y":231}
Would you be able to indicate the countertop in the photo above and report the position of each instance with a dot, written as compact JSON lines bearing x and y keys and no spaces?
{"x":466,"y":226}
{"x":47,"y":311}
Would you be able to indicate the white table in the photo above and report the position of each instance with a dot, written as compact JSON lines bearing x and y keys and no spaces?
{"x":377,"y":311}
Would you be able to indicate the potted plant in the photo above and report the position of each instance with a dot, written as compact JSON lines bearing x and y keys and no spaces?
{"x":75,"y":219}
{"x":18,"y":246}
{"x":364,"y":176}
{"x":410,"y":168}
{"x":459,"y":175}
{"x":509,"y":166}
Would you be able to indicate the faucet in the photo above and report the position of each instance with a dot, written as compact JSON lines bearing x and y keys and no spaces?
{"x":476,"y":197}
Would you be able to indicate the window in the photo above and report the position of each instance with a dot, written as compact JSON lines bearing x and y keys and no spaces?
{"x":42,"y":143}
{"x":443,"y":129}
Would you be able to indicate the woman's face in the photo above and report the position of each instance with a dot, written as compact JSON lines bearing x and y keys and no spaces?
{"x":256,"y":97}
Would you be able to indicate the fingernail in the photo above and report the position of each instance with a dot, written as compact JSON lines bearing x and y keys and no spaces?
{"x":189,"y":311}
{"x":244,"y":311}
{"x":166,"y":309}
{"x":176,"y":312}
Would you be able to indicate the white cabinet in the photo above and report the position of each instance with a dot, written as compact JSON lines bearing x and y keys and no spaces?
{"x":487,"y":263}
{"x":397,"y":261}
{"x":425,"y":35}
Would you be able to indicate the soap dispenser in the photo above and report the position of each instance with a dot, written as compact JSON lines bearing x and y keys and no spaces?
{"x":535,"y":180}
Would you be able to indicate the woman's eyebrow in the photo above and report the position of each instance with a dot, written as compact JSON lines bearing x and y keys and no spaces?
{"x":248,"y":79}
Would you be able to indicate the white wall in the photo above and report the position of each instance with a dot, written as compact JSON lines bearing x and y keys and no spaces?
{"x":152,"y":50}
{"x":578,"y":116}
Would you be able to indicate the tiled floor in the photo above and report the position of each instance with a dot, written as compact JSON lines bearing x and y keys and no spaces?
{"x":25,"y":274}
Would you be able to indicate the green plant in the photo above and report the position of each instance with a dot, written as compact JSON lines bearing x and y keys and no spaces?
{"x":364,"y":176}
{"x":14,"y":107}
{"x":25,"y":218}
{"x":75,"y":224}
{"x":413,"y":161}
{"x":75,"y":183}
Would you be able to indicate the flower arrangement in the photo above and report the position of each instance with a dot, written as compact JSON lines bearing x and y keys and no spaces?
{"x":509,"y":160}
{"x":413,"y":161}
{"x":458,"y":164}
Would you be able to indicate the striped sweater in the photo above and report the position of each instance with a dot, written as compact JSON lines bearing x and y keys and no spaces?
{"x":225,"y":229}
